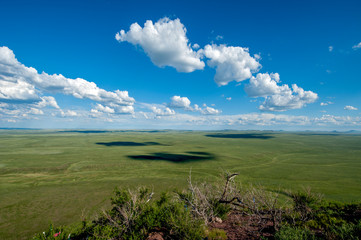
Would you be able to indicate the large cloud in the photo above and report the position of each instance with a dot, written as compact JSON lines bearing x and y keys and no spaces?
{"x":278,"y":97}
{"x":165,"y":42}
{"x":21,"y":84}
{"x":231,"y":63}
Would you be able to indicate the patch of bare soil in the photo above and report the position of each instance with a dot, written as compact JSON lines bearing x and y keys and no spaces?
{"x":241,"y":226}
{"x":155,"y":236}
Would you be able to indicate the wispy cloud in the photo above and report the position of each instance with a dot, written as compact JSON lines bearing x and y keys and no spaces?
{"x":357,"y":46}
{"x":325,"y":103}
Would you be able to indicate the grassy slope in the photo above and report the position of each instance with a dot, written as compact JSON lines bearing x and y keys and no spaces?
{"x":49,"y":176}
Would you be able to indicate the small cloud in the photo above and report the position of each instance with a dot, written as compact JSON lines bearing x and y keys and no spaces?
{"x":229,"y":98}
{"x":357,"y":46}
{"x":210,"y":111}
{"x":325,"y":103}
{"x":328,"y":71}
{"x":330,"y":48}
{"x":195,"y":46}
{"x":219,"y":37}
{"x":269,"y":57}
{"x":180,"y":102}
{"x":162,"y":112}
{"x":206,"y":110}
{"x":257,"y":56}
{"x":350,"y":108}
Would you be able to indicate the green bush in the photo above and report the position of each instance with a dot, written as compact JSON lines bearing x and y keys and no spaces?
{"x":347,"y":231}
{"x":134,"y":215}
{"x":294,"y":233}
{"x":217,"y":234}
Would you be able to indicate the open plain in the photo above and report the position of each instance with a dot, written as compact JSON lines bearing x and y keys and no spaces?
{"x":63,"y":176}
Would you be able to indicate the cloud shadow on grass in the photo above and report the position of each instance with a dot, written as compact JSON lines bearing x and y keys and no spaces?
{"x":84,"y":131}
{"x":241,"y":135}
{"x":112,"y":131}
{"x":177,"y":158}
{"x":128,"y":144}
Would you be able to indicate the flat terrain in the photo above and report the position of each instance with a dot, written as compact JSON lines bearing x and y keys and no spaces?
{"x":63,"y":176}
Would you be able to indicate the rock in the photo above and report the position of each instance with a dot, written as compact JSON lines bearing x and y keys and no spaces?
{"x":216,"y":220}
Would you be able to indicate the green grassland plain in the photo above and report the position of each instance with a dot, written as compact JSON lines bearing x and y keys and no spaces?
{"x":62,"y":176}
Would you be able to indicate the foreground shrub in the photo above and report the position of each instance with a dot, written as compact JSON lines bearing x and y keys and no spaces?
{"x":330,"y":220}
{"x":187,"y":214}
{"x":216,"y":234}
{"x":294,"y":233}
{"x":135,"y":215}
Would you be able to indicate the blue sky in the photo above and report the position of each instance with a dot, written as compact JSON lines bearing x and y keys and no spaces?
{"x":290,"y":65}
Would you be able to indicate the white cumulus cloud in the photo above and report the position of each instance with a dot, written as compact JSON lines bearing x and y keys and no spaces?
{"x":293,"y":99}
{"x":206,"y":110}
{"x":162,"y":112}
{"x":264,"y":85}
{"x":185,"y":104}
{"x":180,"y":102}
{"x":278,"y":97}
{"x":165,"y":42}
{"x":350,"y":108}
{"x":231,"y":63}
{"x":20,"y":84}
